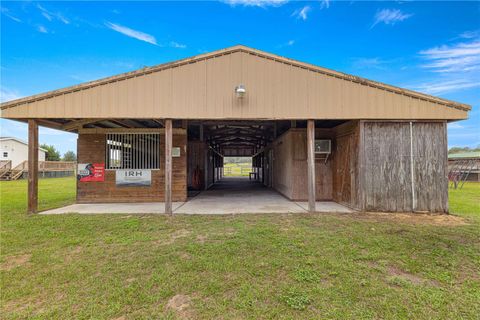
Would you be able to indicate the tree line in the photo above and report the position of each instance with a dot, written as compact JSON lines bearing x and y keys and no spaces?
{"x":463,"y":149}
{"x":53,"y":154}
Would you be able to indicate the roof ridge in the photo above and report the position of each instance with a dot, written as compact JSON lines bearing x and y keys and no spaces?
{"x":229,"y":50}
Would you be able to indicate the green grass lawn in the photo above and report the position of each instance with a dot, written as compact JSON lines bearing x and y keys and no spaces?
{"x":302,"y":266}
{"x":237,"y":169}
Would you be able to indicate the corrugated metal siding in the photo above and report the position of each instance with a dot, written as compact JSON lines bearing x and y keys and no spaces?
{"x":204,"y":89}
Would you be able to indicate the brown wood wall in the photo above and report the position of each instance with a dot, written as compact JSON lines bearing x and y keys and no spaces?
{"x":290,"y":166}
{"x":369,"y":168}
{"x":91,"y":149}
{"x":345,"y":182}
{"x":196,"y":159}
{"x":387,"y":170}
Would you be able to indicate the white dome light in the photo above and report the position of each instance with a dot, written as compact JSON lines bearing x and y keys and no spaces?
{"x":240,"y":91}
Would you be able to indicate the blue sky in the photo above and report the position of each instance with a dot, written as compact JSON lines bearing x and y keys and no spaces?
{"x":432,"y":47}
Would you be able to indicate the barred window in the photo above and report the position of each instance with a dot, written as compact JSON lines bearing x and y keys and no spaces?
{"x":132,"y":151}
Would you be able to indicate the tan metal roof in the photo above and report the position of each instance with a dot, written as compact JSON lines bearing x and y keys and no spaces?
{"x":202,"y":87}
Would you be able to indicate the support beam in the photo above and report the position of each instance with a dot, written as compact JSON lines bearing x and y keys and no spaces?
{"x":311,"y":164}
{"x":168,"y":166}
{"x":201,"y":132}
{"x":205,"y":158}
{"x":32,"y":166}
{"x":75,"y":125}
{"x":158,"y":121}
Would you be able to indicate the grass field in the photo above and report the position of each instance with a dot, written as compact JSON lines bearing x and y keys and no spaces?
{"x":237,"y":169}
{"x":322,"y":266}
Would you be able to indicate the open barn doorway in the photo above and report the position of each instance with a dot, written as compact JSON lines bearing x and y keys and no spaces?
{"x":256,"y":166}
{"x":224,"y":154}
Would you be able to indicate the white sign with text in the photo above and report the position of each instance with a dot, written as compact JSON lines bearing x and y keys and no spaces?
{"x":133,"y":178}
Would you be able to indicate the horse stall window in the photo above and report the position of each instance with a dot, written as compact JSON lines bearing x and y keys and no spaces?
{"x":132,"y":151}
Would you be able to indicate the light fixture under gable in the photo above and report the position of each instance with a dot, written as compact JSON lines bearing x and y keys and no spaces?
{"x":240,"y":91}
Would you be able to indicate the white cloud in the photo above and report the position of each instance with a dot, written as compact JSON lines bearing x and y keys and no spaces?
{"x":325,"y":4}
{"x":470,"y":34}
{"x":7,"y":94}
{"x":455,"y":125}
{"x":302,"y":13}
{"x":455,"y":66}
{"x":7,"y":13}
{"x":63,"y":19}
{"x":445,"y":86}
{"x":177,"y":45}
{"x":47,"y":16}
{"x":132,"y":33}
{"x":289,"y":43}
{"x":459,"y":57}
{"x":42,"y":29}
{"x":52,"y":15}
{"x":256,"y":3}
{"x":390,"y":16}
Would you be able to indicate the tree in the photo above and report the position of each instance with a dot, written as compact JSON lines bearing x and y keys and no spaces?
{"x":69,"y":156}
{"x":463,"y":149}
{"x":52,"y":153}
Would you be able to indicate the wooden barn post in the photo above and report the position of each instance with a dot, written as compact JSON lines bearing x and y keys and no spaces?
{"x":311,"y":164}
{"x":168,"y":166}
{"x":32,"y":166}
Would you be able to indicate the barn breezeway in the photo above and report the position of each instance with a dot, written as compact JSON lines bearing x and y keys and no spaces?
{"x":227,"y":196}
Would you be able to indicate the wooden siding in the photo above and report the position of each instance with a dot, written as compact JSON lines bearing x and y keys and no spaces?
{"x":283,"y":168}
{"x":290,"y":166}
{"x":196,"y":159}
{"x":91,"y":149}
{"x":387,"y":167}
{"x":430,"y":150}
{"x":346,"y":184}
{"x":277,"y":88}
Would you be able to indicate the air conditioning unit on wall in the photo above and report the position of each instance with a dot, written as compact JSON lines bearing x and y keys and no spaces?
{"x":323,"y":146}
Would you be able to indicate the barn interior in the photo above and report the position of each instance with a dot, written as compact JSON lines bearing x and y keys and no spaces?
{"x":278,"y":150}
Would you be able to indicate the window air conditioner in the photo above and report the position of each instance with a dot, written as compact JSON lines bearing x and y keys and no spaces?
{"x":323,"y":146}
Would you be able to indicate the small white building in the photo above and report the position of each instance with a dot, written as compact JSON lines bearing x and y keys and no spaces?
{"x":16,"y":150}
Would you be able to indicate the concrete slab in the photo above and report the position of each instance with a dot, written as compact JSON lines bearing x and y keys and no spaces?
{"x":228,"y":196}
{"x":239,"y":195}
{"x":131,"y":208}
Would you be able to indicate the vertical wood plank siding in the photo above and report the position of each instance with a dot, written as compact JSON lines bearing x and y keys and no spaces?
{"x":290,"y":166}
{"x":387,"y":174}
{"x":346,"y":170}
{"x":204,"y":89}
{"x":196,"y":159}
{"x":91,"y":149}
{"x":387,"y":167}
{"x":430,"y":152}
{"x":369,"y":168}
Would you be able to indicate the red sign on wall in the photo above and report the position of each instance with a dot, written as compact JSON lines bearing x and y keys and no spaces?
{"x":91,"y":172}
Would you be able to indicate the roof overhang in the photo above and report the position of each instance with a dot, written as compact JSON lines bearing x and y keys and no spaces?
{"x":202,"y":87}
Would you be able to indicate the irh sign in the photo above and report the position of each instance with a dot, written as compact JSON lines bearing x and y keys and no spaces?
{"x":88,"y":172}
{"x":133,"y":178}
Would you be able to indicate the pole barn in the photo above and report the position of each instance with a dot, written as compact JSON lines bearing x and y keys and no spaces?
{"x":313,"y":134}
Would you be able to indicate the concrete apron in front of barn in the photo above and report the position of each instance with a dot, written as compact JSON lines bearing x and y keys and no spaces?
{"x":225,"y":198}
